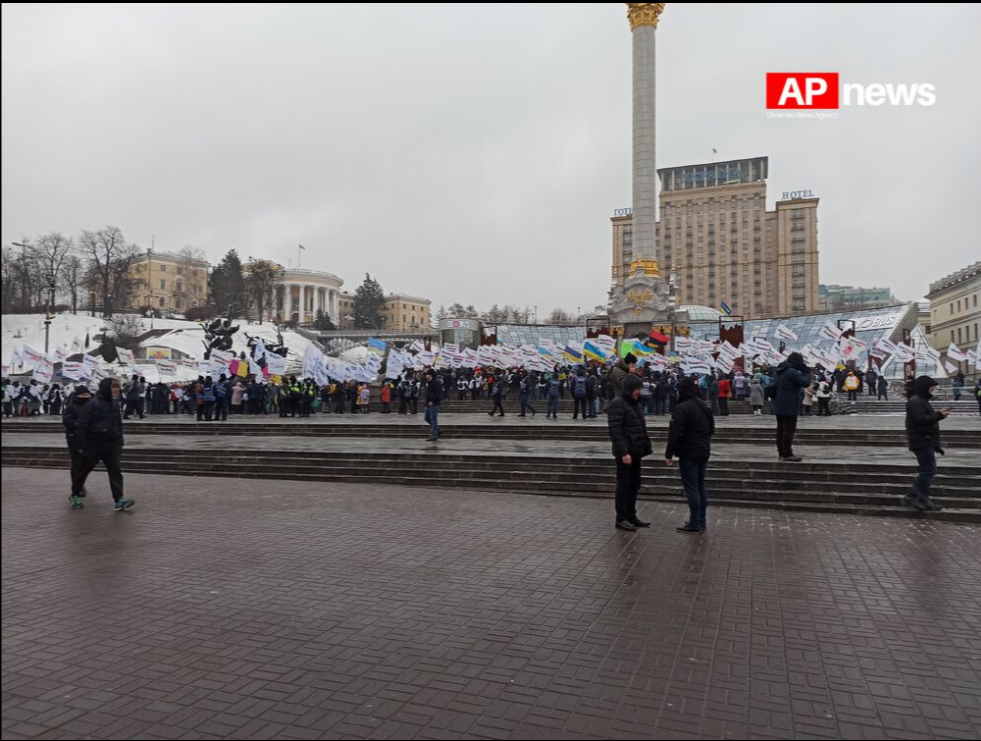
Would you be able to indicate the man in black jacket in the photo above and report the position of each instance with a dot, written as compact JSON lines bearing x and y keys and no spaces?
{"x":690,"y":440}
{"x":434,"y":397}
{"x":923,"y":432}
{"x":99,"y":436}
{"x":628,"y":433}
{"x":69,"y":418}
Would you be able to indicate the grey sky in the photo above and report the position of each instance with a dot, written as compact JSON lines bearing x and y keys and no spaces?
{"x":471,"y":152}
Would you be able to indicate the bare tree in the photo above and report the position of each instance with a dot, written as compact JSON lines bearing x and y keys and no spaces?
{"x":559,"y":316}
{"x":51,"y":251}
{"x":261,"y":283}
{"x":8,"y":282}
{"x":73,"y":272}
{"x":110,"y":263}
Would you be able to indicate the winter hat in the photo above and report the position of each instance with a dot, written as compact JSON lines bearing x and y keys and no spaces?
{"x":82,"y":390}
{"x":630,"y":359}
{"x":631,"y":383}
{"x":686,"y":388}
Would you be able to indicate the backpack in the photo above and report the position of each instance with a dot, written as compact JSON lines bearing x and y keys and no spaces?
{"x":221,"y":391}
{"x":579,"y":390}
{"x":553,"y":388}
{"x":209,"y":394}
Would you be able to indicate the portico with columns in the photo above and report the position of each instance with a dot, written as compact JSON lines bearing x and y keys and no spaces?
{"x":303,"y":293}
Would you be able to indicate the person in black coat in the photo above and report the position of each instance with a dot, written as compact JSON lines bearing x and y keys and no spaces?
{"x":690,"y":440}
{"x":790,"y":380}
{"x":434,"y":398}
{"x":631,"y":443}
{"x":99,"y":436}
{"x":923,"y":433}
{"x":69,"y":418}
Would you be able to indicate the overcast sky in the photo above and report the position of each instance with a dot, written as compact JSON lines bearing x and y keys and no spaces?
{"x":475,"y":153}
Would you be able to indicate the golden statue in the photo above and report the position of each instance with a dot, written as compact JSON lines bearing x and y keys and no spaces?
{"x":644,"y":14}
{"x":650,"y":268}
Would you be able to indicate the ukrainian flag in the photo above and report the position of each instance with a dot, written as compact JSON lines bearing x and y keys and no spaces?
{"x":635,"y":347}
{"x":593,"y":352}
{"x":573,"y":354}
{"x":376,"y":346}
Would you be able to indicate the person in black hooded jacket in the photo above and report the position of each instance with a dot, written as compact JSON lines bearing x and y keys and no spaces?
{"x":628,"y":433}
{"x":69,"y":418}
{"x":99,"y":436}
{"x":923,"y":433}
{"x":690,"y":440}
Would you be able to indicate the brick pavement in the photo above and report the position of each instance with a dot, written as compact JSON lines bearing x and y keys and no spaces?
{"x":281,"y":610}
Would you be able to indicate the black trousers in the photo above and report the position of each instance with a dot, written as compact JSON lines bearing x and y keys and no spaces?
{"x":786,"y":429}
{"x":498,"y":405}
{"x":84,"y":464}
{"x":628,"y":486}
{"x":578,"y":404}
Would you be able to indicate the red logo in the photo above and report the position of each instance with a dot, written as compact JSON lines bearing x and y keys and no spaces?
{"x":814,"y":91}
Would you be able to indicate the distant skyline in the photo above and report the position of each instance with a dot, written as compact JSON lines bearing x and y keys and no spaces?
{"x":474,"y":153}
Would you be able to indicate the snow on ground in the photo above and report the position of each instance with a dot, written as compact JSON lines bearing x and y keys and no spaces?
{"x":184,"y":336}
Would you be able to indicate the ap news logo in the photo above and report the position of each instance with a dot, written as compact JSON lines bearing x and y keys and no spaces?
{"x":807,"y":94}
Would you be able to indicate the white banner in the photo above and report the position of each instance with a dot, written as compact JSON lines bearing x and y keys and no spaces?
{"x":830,"y":332}
{"x":955,"y":353}
{"x":166,"y":368}
{"x":785,"y":333}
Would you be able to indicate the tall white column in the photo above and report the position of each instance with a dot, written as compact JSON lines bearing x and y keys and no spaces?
{"x":318,"y":300}
{"x":301,"y":315}
{"x":643,"y":23}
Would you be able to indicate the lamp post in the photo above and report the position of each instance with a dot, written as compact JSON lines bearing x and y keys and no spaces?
{"x":47,"y":311}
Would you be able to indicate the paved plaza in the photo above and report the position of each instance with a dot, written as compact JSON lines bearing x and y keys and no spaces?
{"x":273,"y":609}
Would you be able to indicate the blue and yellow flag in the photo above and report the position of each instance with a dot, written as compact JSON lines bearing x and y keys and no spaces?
{"x":593,"y":352}
{"x":573,"y":354}
{"x":376,"y":346}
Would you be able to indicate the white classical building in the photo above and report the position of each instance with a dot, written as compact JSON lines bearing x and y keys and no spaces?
{"x":304,"y":292}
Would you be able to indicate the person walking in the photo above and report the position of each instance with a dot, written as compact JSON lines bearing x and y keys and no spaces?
{"x":524,"y":396}
{"x":99,"y":436}
{"x":883,"y":387}
{"x":690,"y":441}
{"x":809,"y":393}
{"x":580,"y":395}
{"x":221,"y":398}
{"x":497,"y":396}
{"x":792,"y":376}
{"x":434,"y":397}
{"x":552,"y":411}
{"x":725,"y":391}
{"x":923,"y":433}
{"x":957,"y":386}
{"x":631,"y":443}
{"x":756,"y":397}
{"x":823,"y":395}
{"x":69,"y":418}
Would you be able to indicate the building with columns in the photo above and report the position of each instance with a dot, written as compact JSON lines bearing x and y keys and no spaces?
{"x":303,"y":292}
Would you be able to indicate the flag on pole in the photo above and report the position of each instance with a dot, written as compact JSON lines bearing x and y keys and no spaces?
{"x":725,"y":309}
{"x":593,"y":352}
{"x":303,"y":248}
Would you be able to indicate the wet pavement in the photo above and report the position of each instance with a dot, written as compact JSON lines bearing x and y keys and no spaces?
{"x":272,"y":609}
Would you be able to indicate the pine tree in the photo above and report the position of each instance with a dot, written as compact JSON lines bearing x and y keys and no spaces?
{"x":369,"y":299}
{"x":322,"y":321}
{"x":227,"y":286}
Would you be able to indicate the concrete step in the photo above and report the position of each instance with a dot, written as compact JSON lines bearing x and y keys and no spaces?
{"x":957,"y":510}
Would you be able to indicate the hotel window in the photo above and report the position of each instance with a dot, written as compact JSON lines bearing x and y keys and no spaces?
{"x":163,"y":284}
